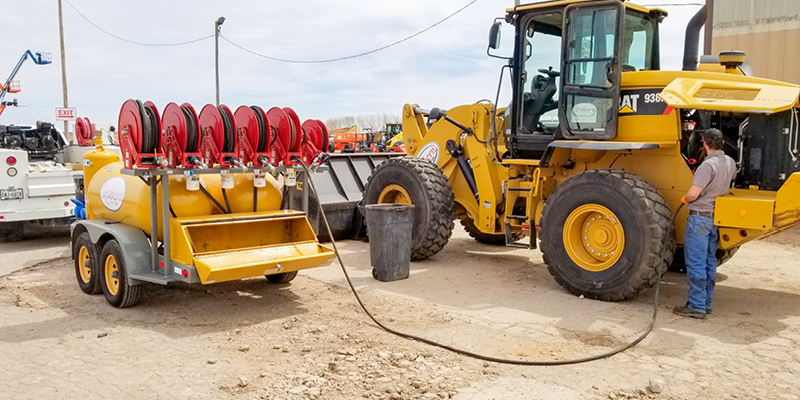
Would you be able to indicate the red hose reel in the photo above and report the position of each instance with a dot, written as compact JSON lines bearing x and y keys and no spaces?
{"x":84,"y":132}
{"x":249,"y":137}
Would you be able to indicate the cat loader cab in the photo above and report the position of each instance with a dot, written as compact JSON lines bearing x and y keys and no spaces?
{"x":568,"y":66}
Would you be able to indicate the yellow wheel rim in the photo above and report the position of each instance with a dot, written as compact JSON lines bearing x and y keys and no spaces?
{"x":593,"y":237}
{"x":84,"y":264}
{"x":112,"y":275}
{"x":394,"y":194}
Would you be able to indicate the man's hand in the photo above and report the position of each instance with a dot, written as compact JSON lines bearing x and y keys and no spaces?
{"x":692,"y":194}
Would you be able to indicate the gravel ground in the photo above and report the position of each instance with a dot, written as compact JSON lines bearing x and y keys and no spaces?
{"x":310,"y":340}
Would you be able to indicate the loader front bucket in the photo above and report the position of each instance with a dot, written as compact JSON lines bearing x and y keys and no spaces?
{"x":238,"y":246}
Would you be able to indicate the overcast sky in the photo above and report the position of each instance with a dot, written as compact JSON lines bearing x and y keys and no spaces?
{"x":443,"y":67}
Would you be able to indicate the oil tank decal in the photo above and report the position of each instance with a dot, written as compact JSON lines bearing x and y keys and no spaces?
{"x":112,"y":193}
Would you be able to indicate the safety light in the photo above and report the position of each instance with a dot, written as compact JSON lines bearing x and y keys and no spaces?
{"x":12,"y":172}
{"x":11,"y":160}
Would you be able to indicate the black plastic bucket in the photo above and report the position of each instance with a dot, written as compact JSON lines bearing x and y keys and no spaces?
{"x":389,"y":227}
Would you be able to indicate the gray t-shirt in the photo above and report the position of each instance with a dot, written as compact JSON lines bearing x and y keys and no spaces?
{"x":714,"y":175}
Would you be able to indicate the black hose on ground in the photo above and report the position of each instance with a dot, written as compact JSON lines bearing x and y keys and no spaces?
{"x":469,"y":353}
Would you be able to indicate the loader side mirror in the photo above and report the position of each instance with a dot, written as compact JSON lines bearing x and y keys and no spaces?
{"x":494,"y":36}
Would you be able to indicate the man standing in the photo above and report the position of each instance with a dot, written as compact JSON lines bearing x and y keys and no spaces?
{"x":712,"y":179}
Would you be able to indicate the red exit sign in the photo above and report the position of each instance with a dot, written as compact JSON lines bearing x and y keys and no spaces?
{"x":66,"y":113}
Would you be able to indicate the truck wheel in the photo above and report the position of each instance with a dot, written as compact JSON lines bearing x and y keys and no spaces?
{"x":119,"y":293}
{"x":86,"y":257}
{"x":11,"y":231}
{"x":487,"y":238}
{"x":412,"y":180}
{"x":284,"y":277}
{"x":607,"y":235}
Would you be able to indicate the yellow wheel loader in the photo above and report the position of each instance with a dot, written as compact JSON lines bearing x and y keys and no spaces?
{"x":596,"y":149}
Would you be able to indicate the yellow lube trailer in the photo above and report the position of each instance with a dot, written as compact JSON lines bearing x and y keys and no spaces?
{"x":152,"y":225}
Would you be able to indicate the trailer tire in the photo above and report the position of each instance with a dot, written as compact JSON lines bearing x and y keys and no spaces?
{"x":116,"y":288}
{"x":283,"y":277}
{"x":85,"y":252}
{"x":413,"y":180}
{"x":633,"y":234}
{"x":487,"y":238}
{"x":12,"y":231}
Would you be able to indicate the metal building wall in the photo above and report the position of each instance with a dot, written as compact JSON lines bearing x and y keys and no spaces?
{"x":767,"y":30}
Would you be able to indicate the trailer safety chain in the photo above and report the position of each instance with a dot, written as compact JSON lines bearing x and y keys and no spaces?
{"x":466,"y":352}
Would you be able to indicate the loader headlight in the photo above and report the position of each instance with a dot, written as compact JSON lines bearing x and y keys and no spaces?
{"x":12,"y":172}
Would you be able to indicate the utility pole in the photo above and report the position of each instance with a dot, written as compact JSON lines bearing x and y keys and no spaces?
{"x":63,"y":69}
{"x":217,"y":25}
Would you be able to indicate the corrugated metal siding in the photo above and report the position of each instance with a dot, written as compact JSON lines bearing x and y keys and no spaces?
{"x":767,"y":30}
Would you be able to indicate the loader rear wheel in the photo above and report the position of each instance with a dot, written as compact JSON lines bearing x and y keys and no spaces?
{"x":412,"y":180}
{"x":679,"y":263}
{"x":487,"y":238}
{"x":118,"y":292}
{"x":283,"y":277}
{"x":607,"y":235}
{"x":86,"y":257}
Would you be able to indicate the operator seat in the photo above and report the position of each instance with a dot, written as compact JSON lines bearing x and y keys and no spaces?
{"x":539,"y":100}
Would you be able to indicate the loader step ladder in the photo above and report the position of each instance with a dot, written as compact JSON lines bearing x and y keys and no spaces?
{"x":508,"y":232}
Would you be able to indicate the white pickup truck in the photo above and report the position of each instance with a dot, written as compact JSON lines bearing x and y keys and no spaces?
{"x":38,"y":169}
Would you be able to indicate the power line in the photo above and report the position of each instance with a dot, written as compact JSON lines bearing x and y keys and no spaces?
{"x":133,"y":41}
{"x":351,"y":56}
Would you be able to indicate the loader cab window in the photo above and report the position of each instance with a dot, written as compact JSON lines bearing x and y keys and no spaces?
{"x":640,"y":43}
{"x":540,"y":75}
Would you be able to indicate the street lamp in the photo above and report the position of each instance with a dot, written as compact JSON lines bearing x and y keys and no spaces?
{"x":217,"y":25}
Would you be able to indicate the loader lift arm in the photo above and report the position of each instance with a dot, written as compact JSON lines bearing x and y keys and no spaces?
{"x":38,"y":58}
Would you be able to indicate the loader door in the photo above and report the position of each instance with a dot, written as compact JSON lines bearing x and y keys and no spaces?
{"x":591,"y":70}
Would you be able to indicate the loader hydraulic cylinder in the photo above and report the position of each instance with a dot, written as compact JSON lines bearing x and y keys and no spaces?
{"x":466,"y":169}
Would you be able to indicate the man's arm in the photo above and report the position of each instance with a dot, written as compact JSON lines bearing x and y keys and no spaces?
{"x":702,"y":177}
{"x":693,"y":193}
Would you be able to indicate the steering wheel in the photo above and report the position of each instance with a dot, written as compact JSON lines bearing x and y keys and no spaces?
{"x":549,"y":72}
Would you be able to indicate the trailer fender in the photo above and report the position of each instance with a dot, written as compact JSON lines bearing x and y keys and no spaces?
{"x":133,"y":242}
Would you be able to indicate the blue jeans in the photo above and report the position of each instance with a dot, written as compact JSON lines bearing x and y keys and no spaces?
{"x":700,"y":254}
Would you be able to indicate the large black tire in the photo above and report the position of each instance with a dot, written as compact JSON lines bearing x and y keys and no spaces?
{"x":283,"y":277}
{"x":642,"y":214}
{"x":118,"y":292}
{"x":487,"y":238}
{"x":86,"y":257}
{"x":11,"y":231}
{"x":428,"y":190}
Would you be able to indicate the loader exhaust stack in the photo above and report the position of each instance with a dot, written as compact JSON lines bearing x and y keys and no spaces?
{"x":691,"y":44}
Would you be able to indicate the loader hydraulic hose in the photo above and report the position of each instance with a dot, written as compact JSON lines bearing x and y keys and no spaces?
{"x":469,"y":353}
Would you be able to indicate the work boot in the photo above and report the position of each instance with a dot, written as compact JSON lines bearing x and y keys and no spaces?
{"x":688,"y":312}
